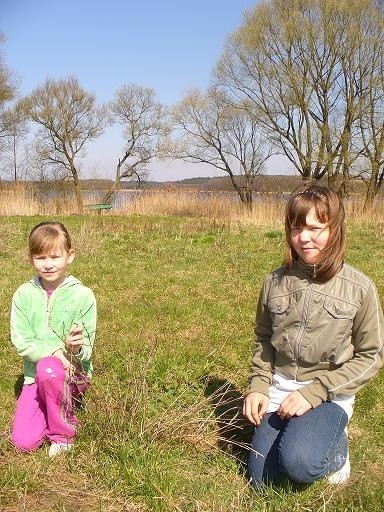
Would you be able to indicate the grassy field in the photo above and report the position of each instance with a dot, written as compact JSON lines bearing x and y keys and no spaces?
{"x":161,"y":430}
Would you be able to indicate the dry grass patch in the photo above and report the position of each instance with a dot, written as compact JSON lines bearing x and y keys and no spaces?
{"x":220,"y":205}
{"x":64,"y":498}
{"x":20,"y":200}
{"x":212,"y":421}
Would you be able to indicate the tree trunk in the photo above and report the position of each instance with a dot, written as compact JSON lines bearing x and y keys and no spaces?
{"x":14,"y":159}
{"x":249,"y":194}
{"x":115,"y":185}
{"x":369,"y":197}
{"x":79,"y":199}
{"x":372,"y":188}
{"x":108,"y":196}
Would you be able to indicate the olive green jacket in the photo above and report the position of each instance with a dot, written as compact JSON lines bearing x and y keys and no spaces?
{"x":330,"y":333}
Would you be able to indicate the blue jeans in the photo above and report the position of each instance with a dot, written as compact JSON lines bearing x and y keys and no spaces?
{"x":304,"y":448}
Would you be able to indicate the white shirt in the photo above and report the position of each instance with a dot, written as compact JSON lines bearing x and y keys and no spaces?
{"x":281,"y":387}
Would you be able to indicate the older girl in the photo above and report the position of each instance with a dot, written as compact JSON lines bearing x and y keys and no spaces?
{"x":319,"y":328}
{"x":53,"y":323}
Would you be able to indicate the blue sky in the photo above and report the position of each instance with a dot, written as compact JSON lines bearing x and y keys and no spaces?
{"x":168,"y":45}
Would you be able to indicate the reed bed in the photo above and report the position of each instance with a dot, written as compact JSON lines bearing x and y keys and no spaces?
{"x":23,"y":199}
{"x":225,"y":206}
{"x":267,"y":209}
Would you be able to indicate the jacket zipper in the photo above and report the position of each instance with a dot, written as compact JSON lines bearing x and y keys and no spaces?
{"x":303,"y":324}
{"x":48,"y":309}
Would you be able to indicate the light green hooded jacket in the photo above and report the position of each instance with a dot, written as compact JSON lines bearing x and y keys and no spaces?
{"x":40,"y":325}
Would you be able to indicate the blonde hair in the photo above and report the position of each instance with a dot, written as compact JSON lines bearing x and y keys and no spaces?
{"x":46,"y":236}
{"x":329,"y":209}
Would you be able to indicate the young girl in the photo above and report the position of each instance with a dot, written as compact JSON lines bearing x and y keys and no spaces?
{"x":53,"y":324}
{"x":319,"y":335}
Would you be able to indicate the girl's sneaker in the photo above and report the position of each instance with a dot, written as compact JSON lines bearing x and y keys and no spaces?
{"x":341,"y":476}
{"x":56,"y":448}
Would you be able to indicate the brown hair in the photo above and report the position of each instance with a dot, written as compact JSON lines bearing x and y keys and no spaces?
{"x":329,"y":209}
{"x":46,"y":236}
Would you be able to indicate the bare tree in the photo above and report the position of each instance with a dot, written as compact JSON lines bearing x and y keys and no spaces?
{"x":296,"y":63}
{"x":144,"y":124}
{"x":7,"y":80}
{"x":14,"y":131}
{"x":371,"y":118}
{"x":7,"y":93}
{"x":219,"y":133}
{"x":68,"y":120}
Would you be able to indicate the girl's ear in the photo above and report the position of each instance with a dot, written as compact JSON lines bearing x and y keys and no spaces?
{"x":71,"y":255}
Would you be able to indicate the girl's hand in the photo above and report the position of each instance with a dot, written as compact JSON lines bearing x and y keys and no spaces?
{"x":254,"y":406}
{"x":68,"y":366}
{"x":294,"y":405}
{"x":75,"y":339}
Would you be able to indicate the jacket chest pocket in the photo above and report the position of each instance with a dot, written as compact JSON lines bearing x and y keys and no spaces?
{"x":283,"y":319}
{"x":340,"y":310}
{"x":337,"y":346}
{"x":279,"y":309}
{"x":329,"y":338}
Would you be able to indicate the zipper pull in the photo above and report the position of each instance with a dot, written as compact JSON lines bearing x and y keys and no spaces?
{"x":314,"y":271}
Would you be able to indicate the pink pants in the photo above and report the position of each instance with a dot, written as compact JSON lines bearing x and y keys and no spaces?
{"x":45,"y":409}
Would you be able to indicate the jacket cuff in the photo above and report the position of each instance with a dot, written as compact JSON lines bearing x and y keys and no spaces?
{"x":258,"y":385}
{"x":314,"y":393}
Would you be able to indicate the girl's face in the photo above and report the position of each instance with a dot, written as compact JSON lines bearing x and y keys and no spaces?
{"x":309,"y":240}
{"x":51,"y":267}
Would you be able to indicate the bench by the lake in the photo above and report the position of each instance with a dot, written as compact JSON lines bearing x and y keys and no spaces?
{"x":99,"y":207}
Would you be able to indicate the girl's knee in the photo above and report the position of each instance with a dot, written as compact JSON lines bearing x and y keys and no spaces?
{"x":299,"y":466}
{"x":49,"y":368}
{"x":24,"y":443}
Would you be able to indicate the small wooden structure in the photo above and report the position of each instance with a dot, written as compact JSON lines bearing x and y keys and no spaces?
{"x":99,"y":207}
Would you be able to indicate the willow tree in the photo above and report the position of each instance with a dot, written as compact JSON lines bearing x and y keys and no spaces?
{"x":371,"y":118}
{"x":14,"y":129}
{"x":296,"y":65}
{"x":144,"y":122}
{"x":7,"y":80}
{"x":68,"y":119}
{"x":7,"y":93}
{"x":216,"y":132}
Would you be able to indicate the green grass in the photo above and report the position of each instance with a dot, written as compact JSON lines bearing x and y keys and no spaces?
{"x":176,"y":300}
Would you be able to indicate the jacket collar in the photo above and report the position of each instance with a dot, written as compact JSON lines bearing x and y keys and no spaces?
{"x":68,"y":281}
{"x":307,"y":270}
